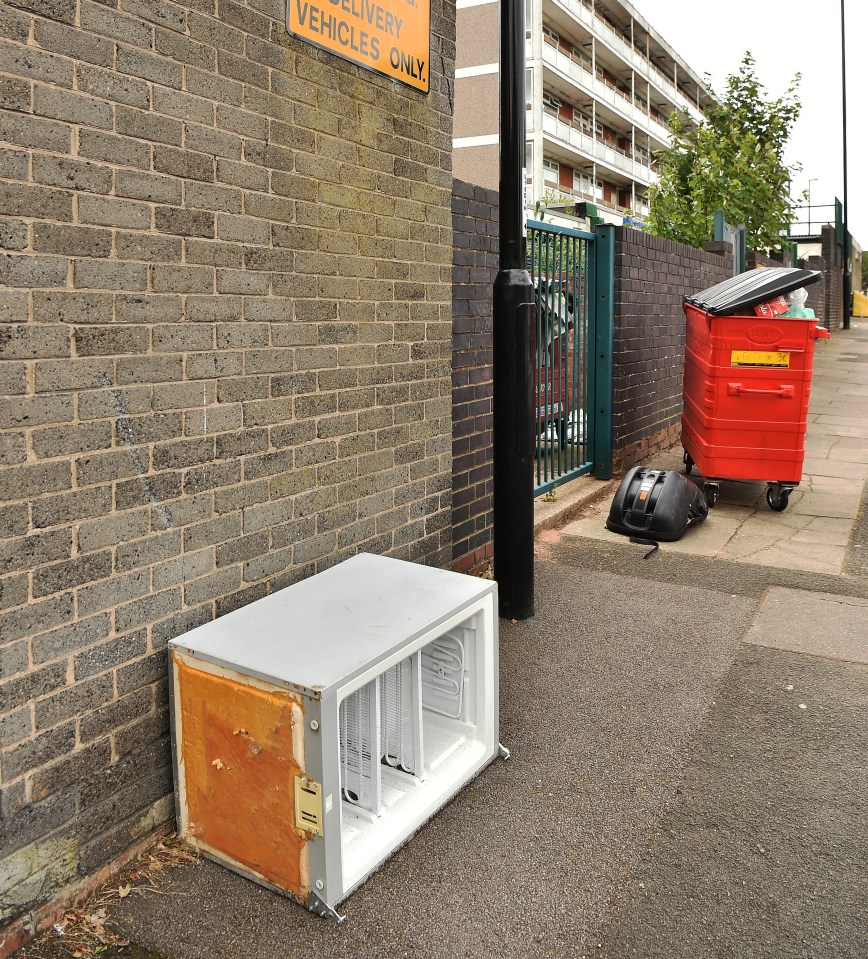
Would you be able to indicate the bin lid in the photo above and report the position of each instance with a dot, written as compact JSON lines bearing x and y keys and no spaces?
{"x":748,"y":289}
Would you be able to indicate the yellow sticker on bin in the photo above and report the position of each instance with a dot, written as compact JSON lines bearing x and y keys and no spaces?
{"x":759,"y":358}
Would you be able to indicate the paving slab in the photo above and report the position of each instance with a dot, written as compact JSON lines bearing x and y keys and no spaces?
{"x":842,"y":505}
{"x":824,"y":529}
{"x":838,"y":420}
{"x":848,"y":455}
{"x":835,"y":476}
{"x":820,"y":624}
{"x":754,"y":535}
{"x":816,"y":559}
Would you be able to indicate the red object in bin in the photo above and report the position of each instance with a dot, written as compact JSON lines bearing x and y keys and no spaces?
{"x":747,"y":382}
{"x":771,"y":308}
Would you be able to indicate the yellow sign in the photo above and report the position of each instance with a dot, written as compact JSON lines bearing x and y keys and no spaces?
{"x":392,"y":37}
{"x":759,"y":358}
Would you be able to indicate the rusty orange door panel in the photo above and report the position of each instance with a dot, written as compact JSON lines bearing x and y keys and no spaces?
{"x":240,"y":752}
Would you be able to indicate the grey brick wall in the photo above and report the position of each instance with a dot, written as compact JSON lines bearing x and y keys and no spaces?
{"x":475,"y":224}
{"x":652,"y":275}
{"x":226,"y":334}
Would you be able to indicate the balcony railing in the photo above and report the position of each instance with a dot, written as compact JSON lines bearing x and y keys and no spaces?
{"x":565,"y":65}
{"x":599,"y":28}
{"x":568,"y":135}
{"x":558,"y":60}
{"x":612,"y":206}
{"x":659,"y":130}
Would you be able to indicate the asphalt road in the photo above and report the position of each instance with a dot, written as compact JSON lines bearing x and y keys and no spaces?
{"x":666,"y":797}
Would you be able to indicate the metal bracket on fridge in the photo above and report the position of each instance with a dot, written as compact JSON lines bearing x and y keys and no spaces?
{"x":315,"y":904}
{"x":503,"y":752}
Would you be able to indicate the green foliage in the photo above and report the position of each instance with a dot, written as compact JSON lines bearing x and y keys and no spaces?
{"x":549,"y":197}
{"x":731,"y":161}
{"x":865,"y":270}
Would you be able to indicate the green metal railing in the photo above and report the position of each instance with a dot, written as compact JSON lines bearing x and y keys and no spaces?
{"x":574,"y":288}
{"x":561,"y":265}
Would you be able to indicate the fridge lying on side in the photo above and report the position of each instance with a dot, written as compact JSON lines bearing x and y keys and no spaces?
{"x":318,"y":728}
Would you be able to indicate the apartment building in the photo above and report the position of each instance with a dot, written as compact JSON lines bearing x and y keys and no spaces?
{"x":600,"y":86}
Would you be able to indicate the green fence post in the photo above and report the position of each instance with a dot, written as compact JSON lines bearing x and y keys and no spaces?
{"x":604,"y":341}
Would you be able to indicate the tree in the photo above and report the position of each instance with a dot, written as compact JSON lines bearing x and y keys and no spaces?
{"x":732,"y":161}
{"x":865,"y":270}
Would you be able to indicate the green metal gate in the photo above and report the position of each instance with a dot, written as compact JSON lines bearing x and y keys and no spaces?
{"x":573,"y":278}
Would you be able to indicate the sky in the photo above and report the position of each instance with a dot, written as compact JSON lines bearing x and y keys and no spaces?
{"x":785,"y":38}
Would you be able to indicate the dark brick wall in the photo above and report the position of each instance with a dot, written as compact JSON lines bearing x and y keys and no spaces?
{"x":833,"y":282}
{"x":753,"y":260}
{"x":652,"y":275}
{"x":826,"y":296}
{"x":474,"y":268}
{"x":225,"y":364}
{"x":816,"y":291}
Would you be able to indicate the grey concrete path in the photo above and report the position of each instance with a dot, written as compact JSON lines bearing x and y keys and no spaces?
{"x":688,"y":735}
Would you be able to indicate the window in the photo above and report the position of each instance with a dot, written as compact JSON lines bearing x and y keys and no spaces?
{"x":551,"y":104}
{"x":551,"y":173}
{"x":582,"y":183}
{"x":582,"y":58}
{"x":528,"y":88}
{"x":551,"y":36}
{"x":582,"y":120}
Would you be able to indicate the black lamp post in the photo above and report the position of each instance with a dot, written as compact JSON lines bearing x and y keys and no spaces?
{"x":514,"y":428}
{"x":848,"y":259}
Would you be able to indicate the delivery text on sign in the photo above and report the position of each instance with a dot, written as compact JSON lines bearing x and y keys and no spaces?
{"x":389,"y":36}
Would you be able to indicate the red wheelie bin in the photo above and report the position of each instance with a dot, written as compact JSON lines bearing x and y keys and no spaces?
{"x":747,"y":378}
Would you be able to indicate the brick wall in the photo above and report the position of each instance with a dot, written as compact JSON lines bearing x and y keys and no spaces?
{"x":652,"y":275}
{"x":832,"y":316}
{"x":475,"y":224}
{"x":226,"y":336}
{"x":754,"y":260}
{"x":816,"y":291}
{"x":826,"y":296}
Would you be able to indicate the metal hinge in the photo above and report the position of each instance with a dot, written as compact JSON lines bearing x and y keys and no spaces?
{"x":308,"y":805}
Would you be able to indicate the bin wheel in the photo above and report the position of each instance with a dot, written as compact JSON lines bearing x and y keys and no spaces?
{"x":777,"y":498}
{"x":688,"y":463}
{"x":712,"y":491}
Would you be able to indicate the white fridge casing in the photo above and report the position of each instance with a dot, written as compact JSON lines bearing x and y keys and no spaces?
{"x":282,"y":666}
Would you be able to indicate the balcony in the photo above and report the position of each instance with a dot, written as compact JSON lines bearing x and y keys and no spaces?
{"x":602,"y":92}
{"x":657,"y":130}
{"x":595,"y":197}
{"x":578,"y":11}
{"x":629,"y":54}
{"x":569,"y":136}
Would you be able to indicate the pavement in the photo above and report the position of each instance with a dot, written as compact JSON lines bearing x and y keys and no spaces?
{"x":814,"y":534}
{"x":688,"y":736}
